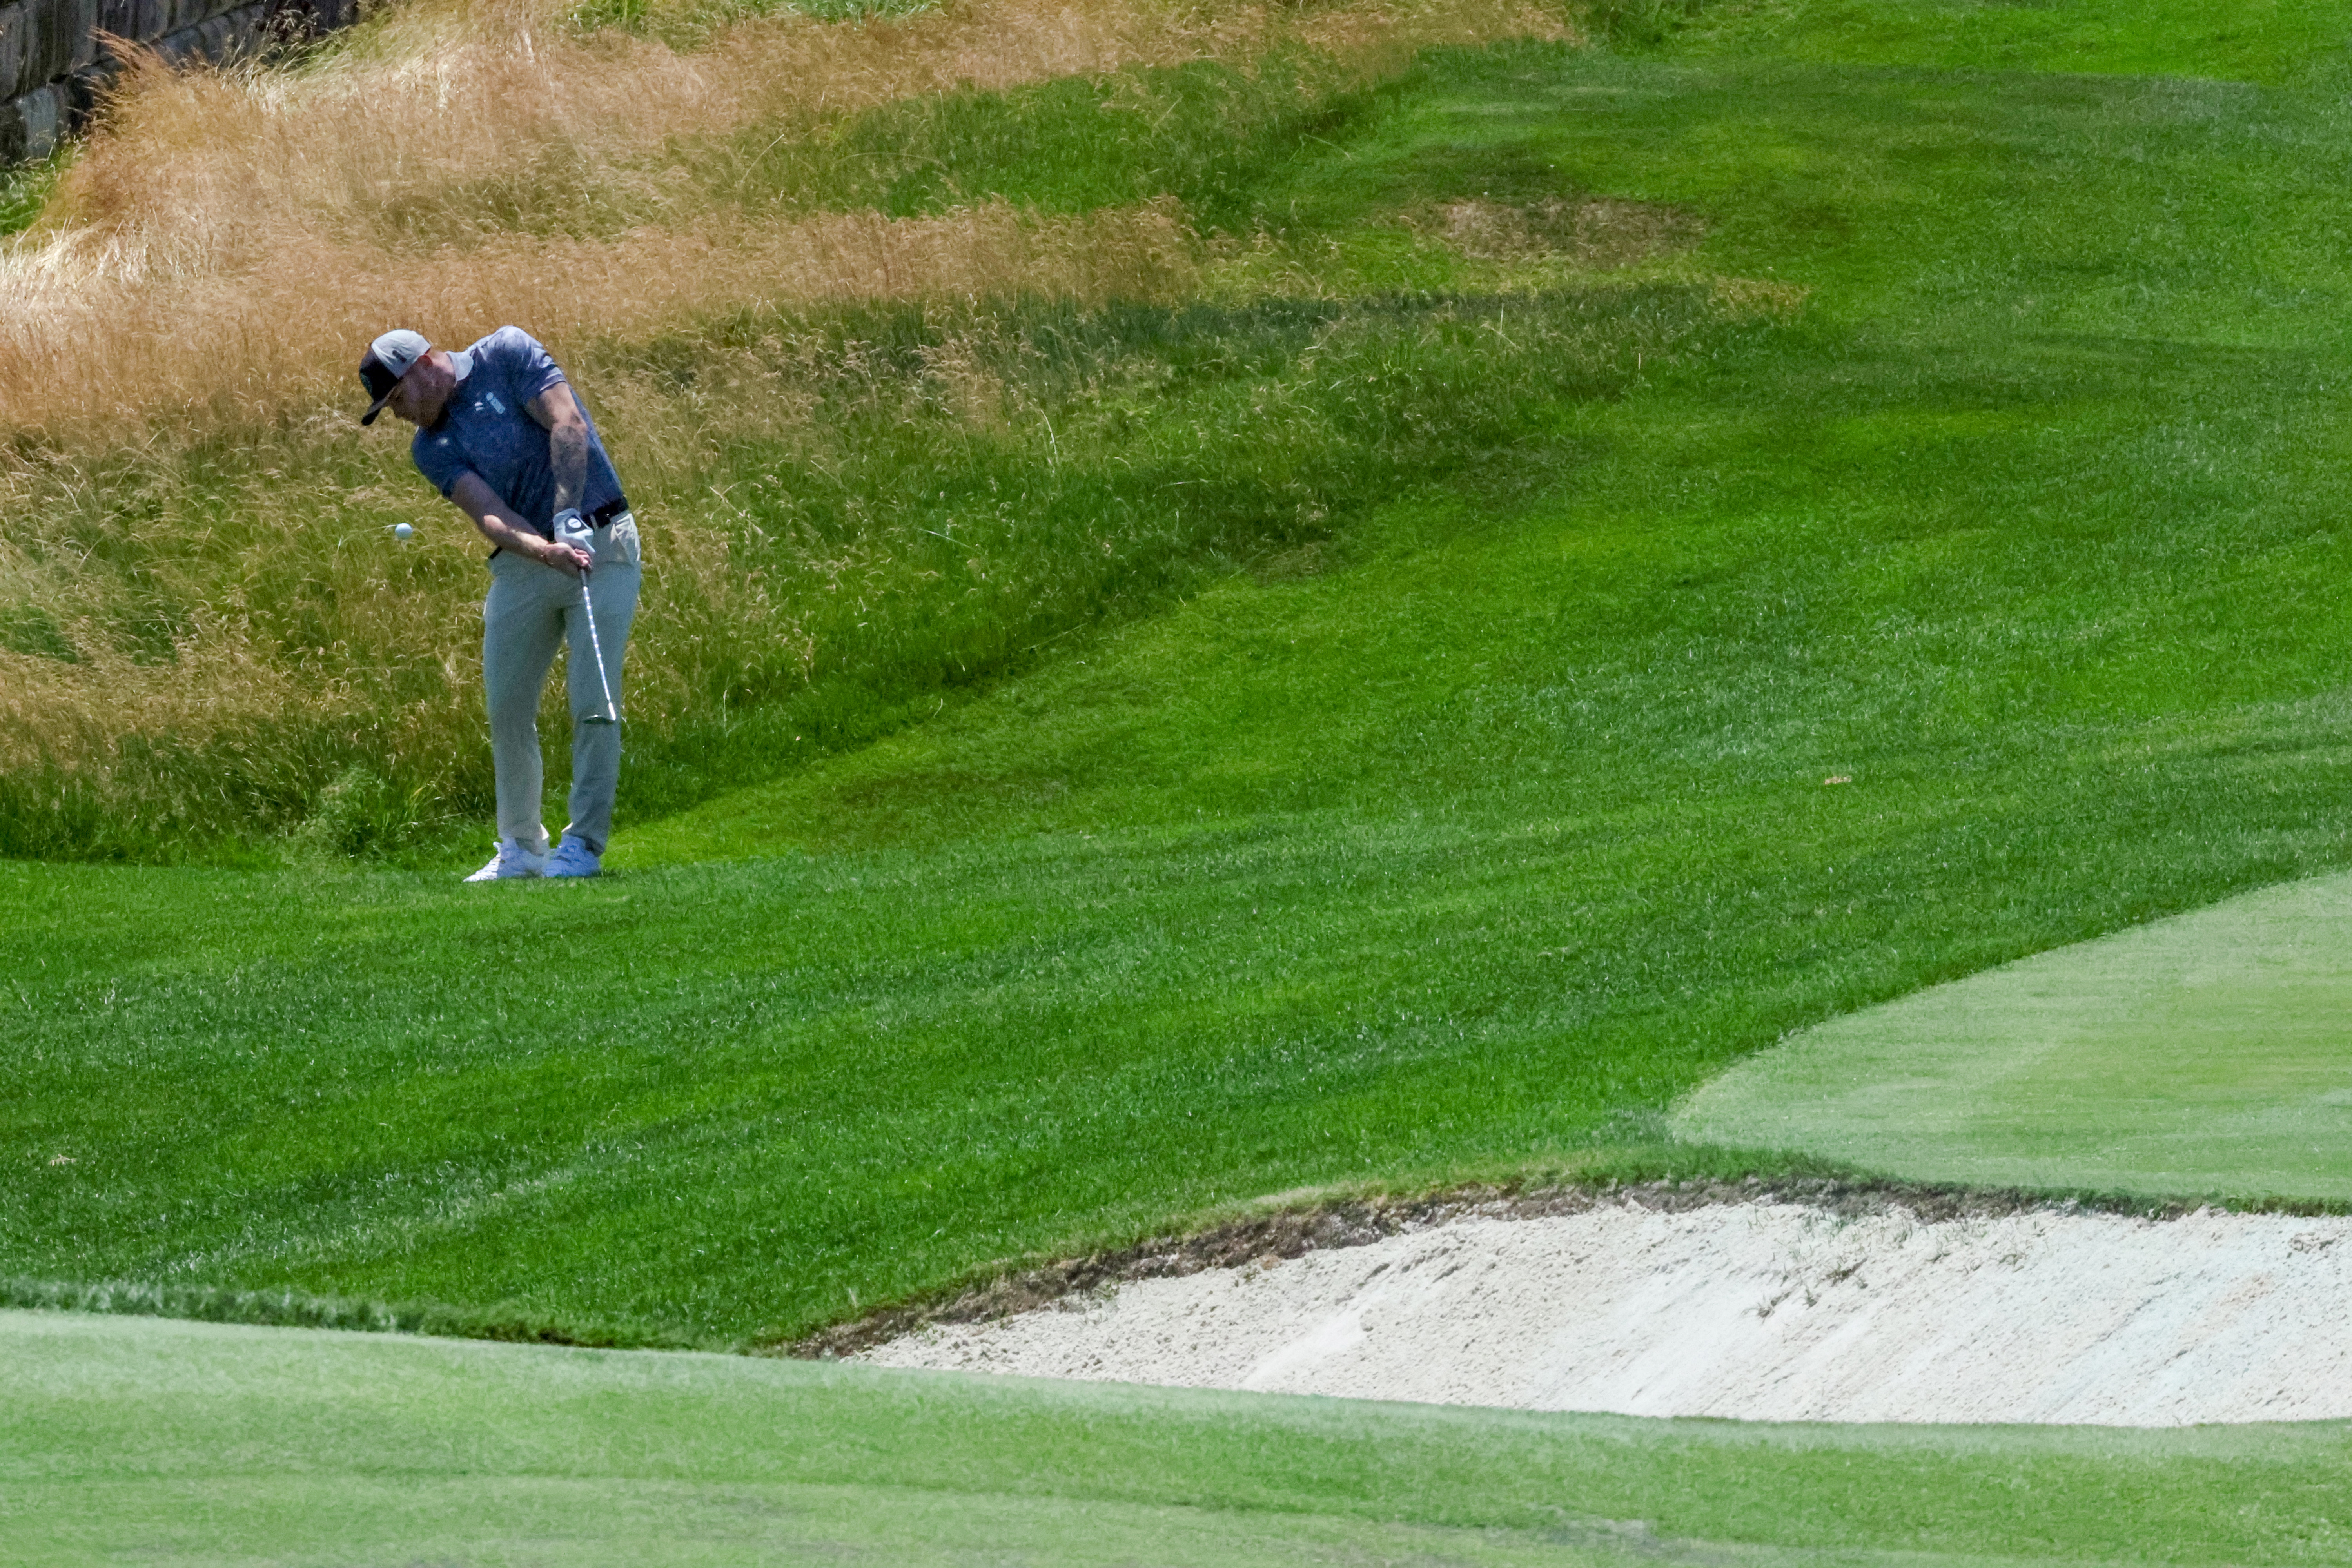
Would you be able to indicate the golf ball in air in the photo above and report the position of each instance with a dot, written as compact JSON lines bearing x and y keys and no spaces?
{"x":402,"y":530}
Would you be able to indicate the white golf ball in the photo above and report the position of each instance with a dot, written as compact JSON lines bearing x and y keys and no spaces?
{"x":402,"y":530}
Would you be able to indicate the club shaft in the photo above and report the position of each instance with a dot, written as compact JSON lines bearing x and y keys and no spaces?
{"x":596,"y":649}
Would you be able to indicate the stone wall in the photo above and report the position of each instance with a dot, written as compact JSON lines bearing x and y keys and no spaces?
{"x":54,"y":61}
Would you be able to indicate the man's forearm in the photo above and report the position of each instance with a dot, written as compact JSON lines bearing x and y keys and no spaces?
{"x":567,"y":459}
{"x":507,"y":536}
{"x":496,"y":521}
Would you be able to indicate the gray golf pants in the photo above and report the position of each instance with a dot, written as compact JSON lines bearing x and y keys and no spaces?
{"x":531,"y":611}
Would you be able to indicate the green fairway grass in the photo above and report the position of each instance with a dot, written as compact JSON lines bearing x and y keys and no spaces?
{"x":1452,"y":834}
{"x":2274,"y":42}
{"x":1395,"y":717}
{"x":196,"y":1445}
{"x":2208,"y":1054}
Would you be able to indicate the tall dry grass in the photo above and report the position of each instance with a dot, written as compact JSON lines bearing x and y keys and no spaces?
{"x":228,"y":238}
{"x":113,"y":351}
{"x":222,"y":673}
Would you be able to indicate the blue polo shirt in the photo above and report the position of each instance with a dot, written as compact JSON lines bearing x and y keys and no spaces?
{"x":487,"y":431}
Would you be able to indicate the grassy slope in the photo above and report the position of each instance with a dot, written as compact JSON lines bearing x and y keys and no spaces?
{"x":2203,"y":1054}
{"x":190,"y":1445}
{"x":1467,"y":856}
{"x":856,"y":511}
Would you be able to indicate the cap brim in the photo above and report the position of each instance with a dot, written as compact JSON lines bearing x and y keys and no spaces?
{"x":377,"y":406}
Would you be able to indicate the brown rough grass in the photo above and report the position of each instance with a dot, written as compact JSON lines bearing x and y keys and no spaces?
{"x":1594,"y":232}
{"x":251,"y":344}
{"x":229,"y":240}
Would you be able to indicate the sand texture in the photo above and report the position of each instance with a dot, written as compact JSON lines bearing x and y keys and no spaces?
{"x":1760,"y":1311}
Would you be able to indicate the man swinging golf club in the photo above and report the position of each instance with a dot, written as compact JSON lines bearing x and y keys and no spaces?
{"x":500,"y":433}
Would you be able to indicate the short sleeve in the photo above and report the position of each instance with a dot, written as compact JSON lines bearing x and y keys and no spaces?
{"x":440,"y":459}
{"x":525,"y":367}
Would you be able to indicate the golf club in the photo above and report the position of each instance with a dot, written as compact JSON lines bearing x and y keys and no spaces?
{"x":611,"y":715}
{"x":570,"y":529}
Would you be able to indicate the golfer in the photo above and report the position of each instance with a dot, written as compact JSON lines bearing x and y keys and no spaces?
{"x":500,"y":431}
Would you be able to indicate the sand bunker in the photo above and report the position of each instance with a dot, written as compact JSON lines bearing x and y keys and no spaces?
{"x":1768,"y":1311}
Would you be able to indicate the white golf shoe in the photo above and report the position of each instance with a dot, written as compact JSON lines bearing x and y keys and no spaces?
{"x":572,"y":858}
{"x":511,"y":860}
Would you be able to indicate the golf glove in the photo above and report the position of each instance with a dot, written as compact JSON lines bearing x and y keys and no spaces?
{"x":571,"y":529}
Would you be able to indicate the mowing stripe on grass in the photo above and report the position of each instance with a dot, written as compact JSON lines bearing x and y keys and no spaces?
{"x":2207,"y":1054}
{"x":197,"y":1444}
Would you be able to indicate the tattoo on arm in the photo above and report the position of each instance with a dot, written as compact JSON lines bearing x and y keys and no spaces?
{"x":558,"y":412}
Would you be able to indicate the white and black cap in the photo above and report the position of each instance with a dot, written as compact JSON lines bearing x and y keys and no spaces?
{"x":388,"y":358}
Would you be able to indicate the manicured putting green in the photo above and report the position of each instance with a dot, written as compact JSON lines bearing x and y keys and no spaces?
{"x":2206,"y":1054}
{"x":161,"y":1442}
